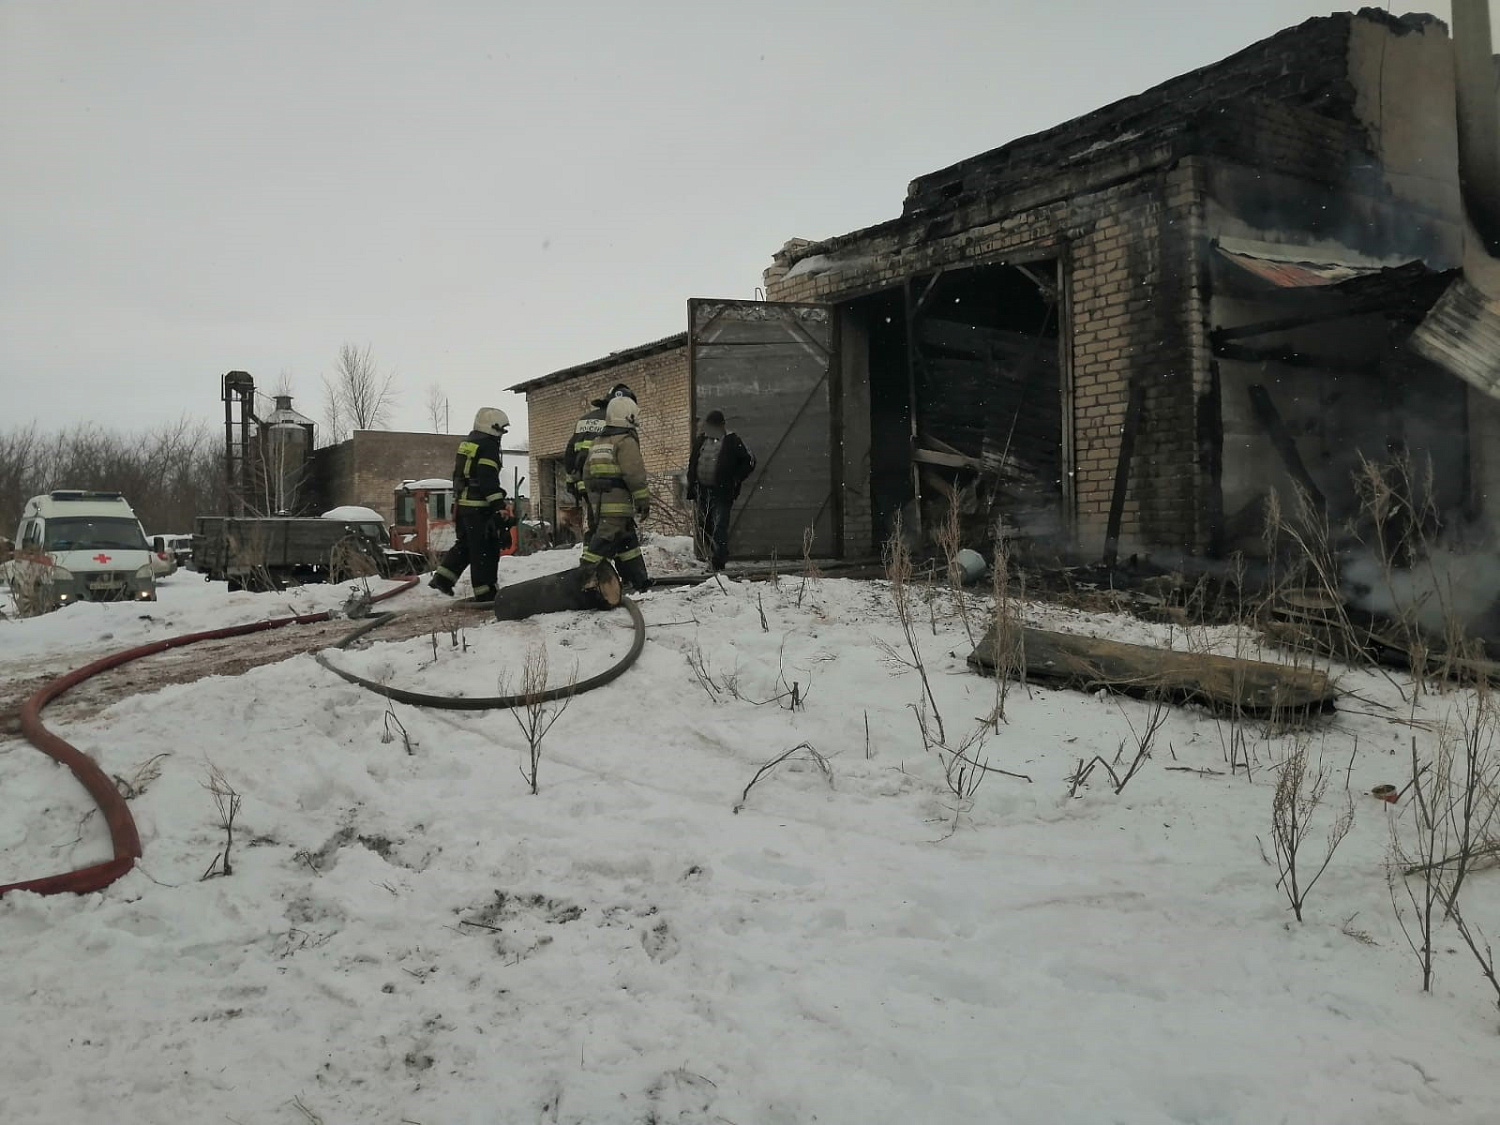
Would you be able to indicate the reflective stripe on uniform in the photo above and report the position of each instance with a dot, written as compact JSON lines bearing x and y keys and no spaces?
{"x":493,"y":496}
{"x":487,"y":461}
{"x":472,"y":503}
{"x":444,"y":572}
{"x":481,"y":591}
{"x":626,"y":556}
{"x":616,"y":509}
{"x":641,"y":494}
{"x":590,"y":557}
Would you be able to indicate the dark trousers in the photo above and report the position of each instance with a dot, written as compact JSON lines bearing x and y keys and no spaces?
{"x":713,"y":525}
{"x":616,"y":539}
{"x":477,"y":547}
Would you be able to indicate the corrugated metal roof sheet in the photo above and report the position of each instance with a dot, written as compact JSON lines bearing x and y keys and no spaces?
{"x":1295,"y":273}
{"x":1462,"y":335}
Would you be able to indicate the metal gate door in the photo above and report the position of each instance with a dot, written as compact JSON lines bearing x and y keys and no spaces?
{"x":770,"y":369}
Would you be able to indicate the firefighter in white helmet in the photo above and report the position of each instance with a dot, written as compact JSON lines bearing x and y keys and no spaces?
{"x":480,"y":514}
{"x":615,"y":476}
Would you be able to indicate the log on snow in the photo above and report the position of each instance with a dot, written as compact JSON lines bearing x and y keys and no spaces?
{"x":1222,"y":683}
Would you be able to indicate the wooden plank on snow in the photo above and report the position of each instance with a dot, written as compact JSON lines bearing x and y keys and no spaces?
{"x":1221,"y":683}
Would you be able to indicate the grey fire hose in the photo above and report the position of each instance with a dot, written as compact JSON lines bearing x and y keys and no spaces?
{"x":493,"y":702}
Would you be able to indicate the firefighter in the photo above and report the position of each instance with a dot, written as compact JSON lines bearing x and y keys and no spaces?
{"x":584,"y":433}
{"x":480,"y":513}
{"x":617,"y":489}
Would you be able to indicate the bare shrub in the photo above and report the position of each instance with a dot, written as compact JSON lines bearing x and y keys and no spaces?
{"x":227,"y":807}
{"x":898,"y":570}
{"x":1299,"y":792}
{"x":949,"y":538}
{"x":1009,"y":636}
{"x":804,"y":749}
{"x":963,"y":768}
{"x":1121,"y":772}
{"x":809,"y":568}
{"x":1445,"y":833}
{"x":537,"y":712}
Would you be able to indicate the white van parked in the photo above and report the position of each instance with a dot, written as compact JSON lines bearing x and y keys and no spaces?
{"x":77,"y":546}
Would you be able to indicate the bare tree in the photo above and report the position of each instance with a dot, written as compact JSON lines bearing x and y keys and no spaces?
{"x":357,"y":396}
{"x":437,"y":408}
{"x":170,"y":474}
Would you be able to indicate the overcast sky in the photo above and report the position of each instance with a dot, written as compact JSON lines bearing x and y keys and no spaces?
{"x":483,"y":192}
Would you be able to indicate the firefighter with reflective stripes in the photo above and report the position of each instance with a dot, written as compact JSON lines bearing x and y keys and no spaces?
{"x":584,"y":432}
{"x":616,"y":478}
{"x":480,"y":514}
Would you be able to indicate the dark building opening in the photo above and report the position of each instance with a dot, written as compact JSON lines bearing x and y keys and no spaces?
{"x":972,"y":354}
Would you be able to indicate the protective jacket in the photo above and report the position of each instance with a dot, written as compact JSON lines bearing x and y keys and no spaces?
{"x":615,"y":474}
{"x":476,"y":473}
{"x":618,"y":491}
{"x":588,"y":427}
{"x":480,"y":517}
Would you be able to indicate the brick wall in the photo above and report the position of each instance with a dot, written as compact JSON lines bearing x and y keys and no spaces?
{"x":660,"y":382}
{"x":366,"y":469}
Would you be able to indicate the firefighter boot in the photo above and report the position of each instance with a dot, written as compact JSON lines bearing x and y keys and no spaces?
{"x":442,"y":584}
{"x":633,"y":572}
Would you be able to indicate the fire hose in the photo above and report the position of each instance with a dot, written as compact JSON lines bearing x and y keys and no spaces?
{"x":493,"y":702}
{"x":125,"y":840}
{"x":124,"y":837}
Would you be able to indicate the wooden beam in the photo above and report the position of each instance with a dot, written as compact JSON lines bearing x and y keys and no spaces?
{"x":948,"y":460}
{"x":1133,"y":411}
{"x":1269,"y":417}
{"x":1291,"y":357}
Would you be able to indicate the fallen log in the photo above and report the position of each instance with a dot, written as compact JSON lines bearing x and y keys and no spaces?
{"x":1222,"y":683}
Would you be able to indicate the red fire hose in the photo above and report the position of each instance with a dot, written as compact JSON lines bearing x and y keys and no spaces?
{"x":122,"y":831}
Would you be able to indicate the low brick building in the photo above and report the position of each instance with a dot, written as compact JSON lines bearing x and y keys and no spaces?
{"x":367,"y":468}
{"x":1121,"y":334}
{"x":658,"y":373}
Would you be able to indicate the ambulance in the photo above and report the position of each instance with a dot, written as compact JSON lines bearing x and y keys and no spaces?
{"x":77,"y":546}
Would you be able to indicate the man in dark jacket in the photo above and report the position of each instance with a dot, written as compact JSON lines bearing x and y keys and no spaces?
{"x":588,"y":427}
{"x":718,"y":468}
{"x":480,"y":516}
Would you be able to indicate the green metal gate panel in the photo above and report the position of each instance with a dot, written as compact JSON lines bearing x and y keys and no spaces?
{"x":771,"y":369}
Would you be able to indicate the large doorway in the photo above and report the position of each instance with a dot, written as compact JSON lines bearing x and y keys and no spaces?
{"x":966,"y":402}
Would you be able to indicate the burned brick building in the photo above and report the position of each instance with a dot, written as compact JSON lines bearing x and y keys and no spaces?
{"x":1126,"y":332}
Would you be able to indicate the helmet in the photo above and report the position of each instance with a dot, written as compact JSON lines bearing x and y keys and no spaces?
{"x":622,"y":390}
{"x":491,"y":420}
{"x":622,"y":412}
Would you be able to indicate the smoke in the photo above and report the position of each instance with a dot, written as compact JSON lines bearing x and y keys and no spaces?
{"x":1453,"y":585}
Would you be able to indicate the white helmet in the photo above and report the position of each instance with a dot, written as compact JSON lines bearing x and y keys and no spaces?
{"x":491,"y":420}
{"x":623,"y":413}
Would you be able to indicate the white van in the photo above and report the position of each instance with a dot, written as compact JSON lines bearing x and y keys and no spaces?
{"x":79,"y":546}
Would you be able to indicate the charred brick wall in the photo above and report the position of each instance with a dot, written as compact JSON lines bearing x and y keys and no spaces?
{"x":1135,"y":311}
{"x":1126,"y":197}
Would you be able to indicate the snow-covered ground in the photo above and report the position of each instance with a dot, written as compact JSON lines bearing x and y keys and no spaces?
{"x":411,"y":936}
